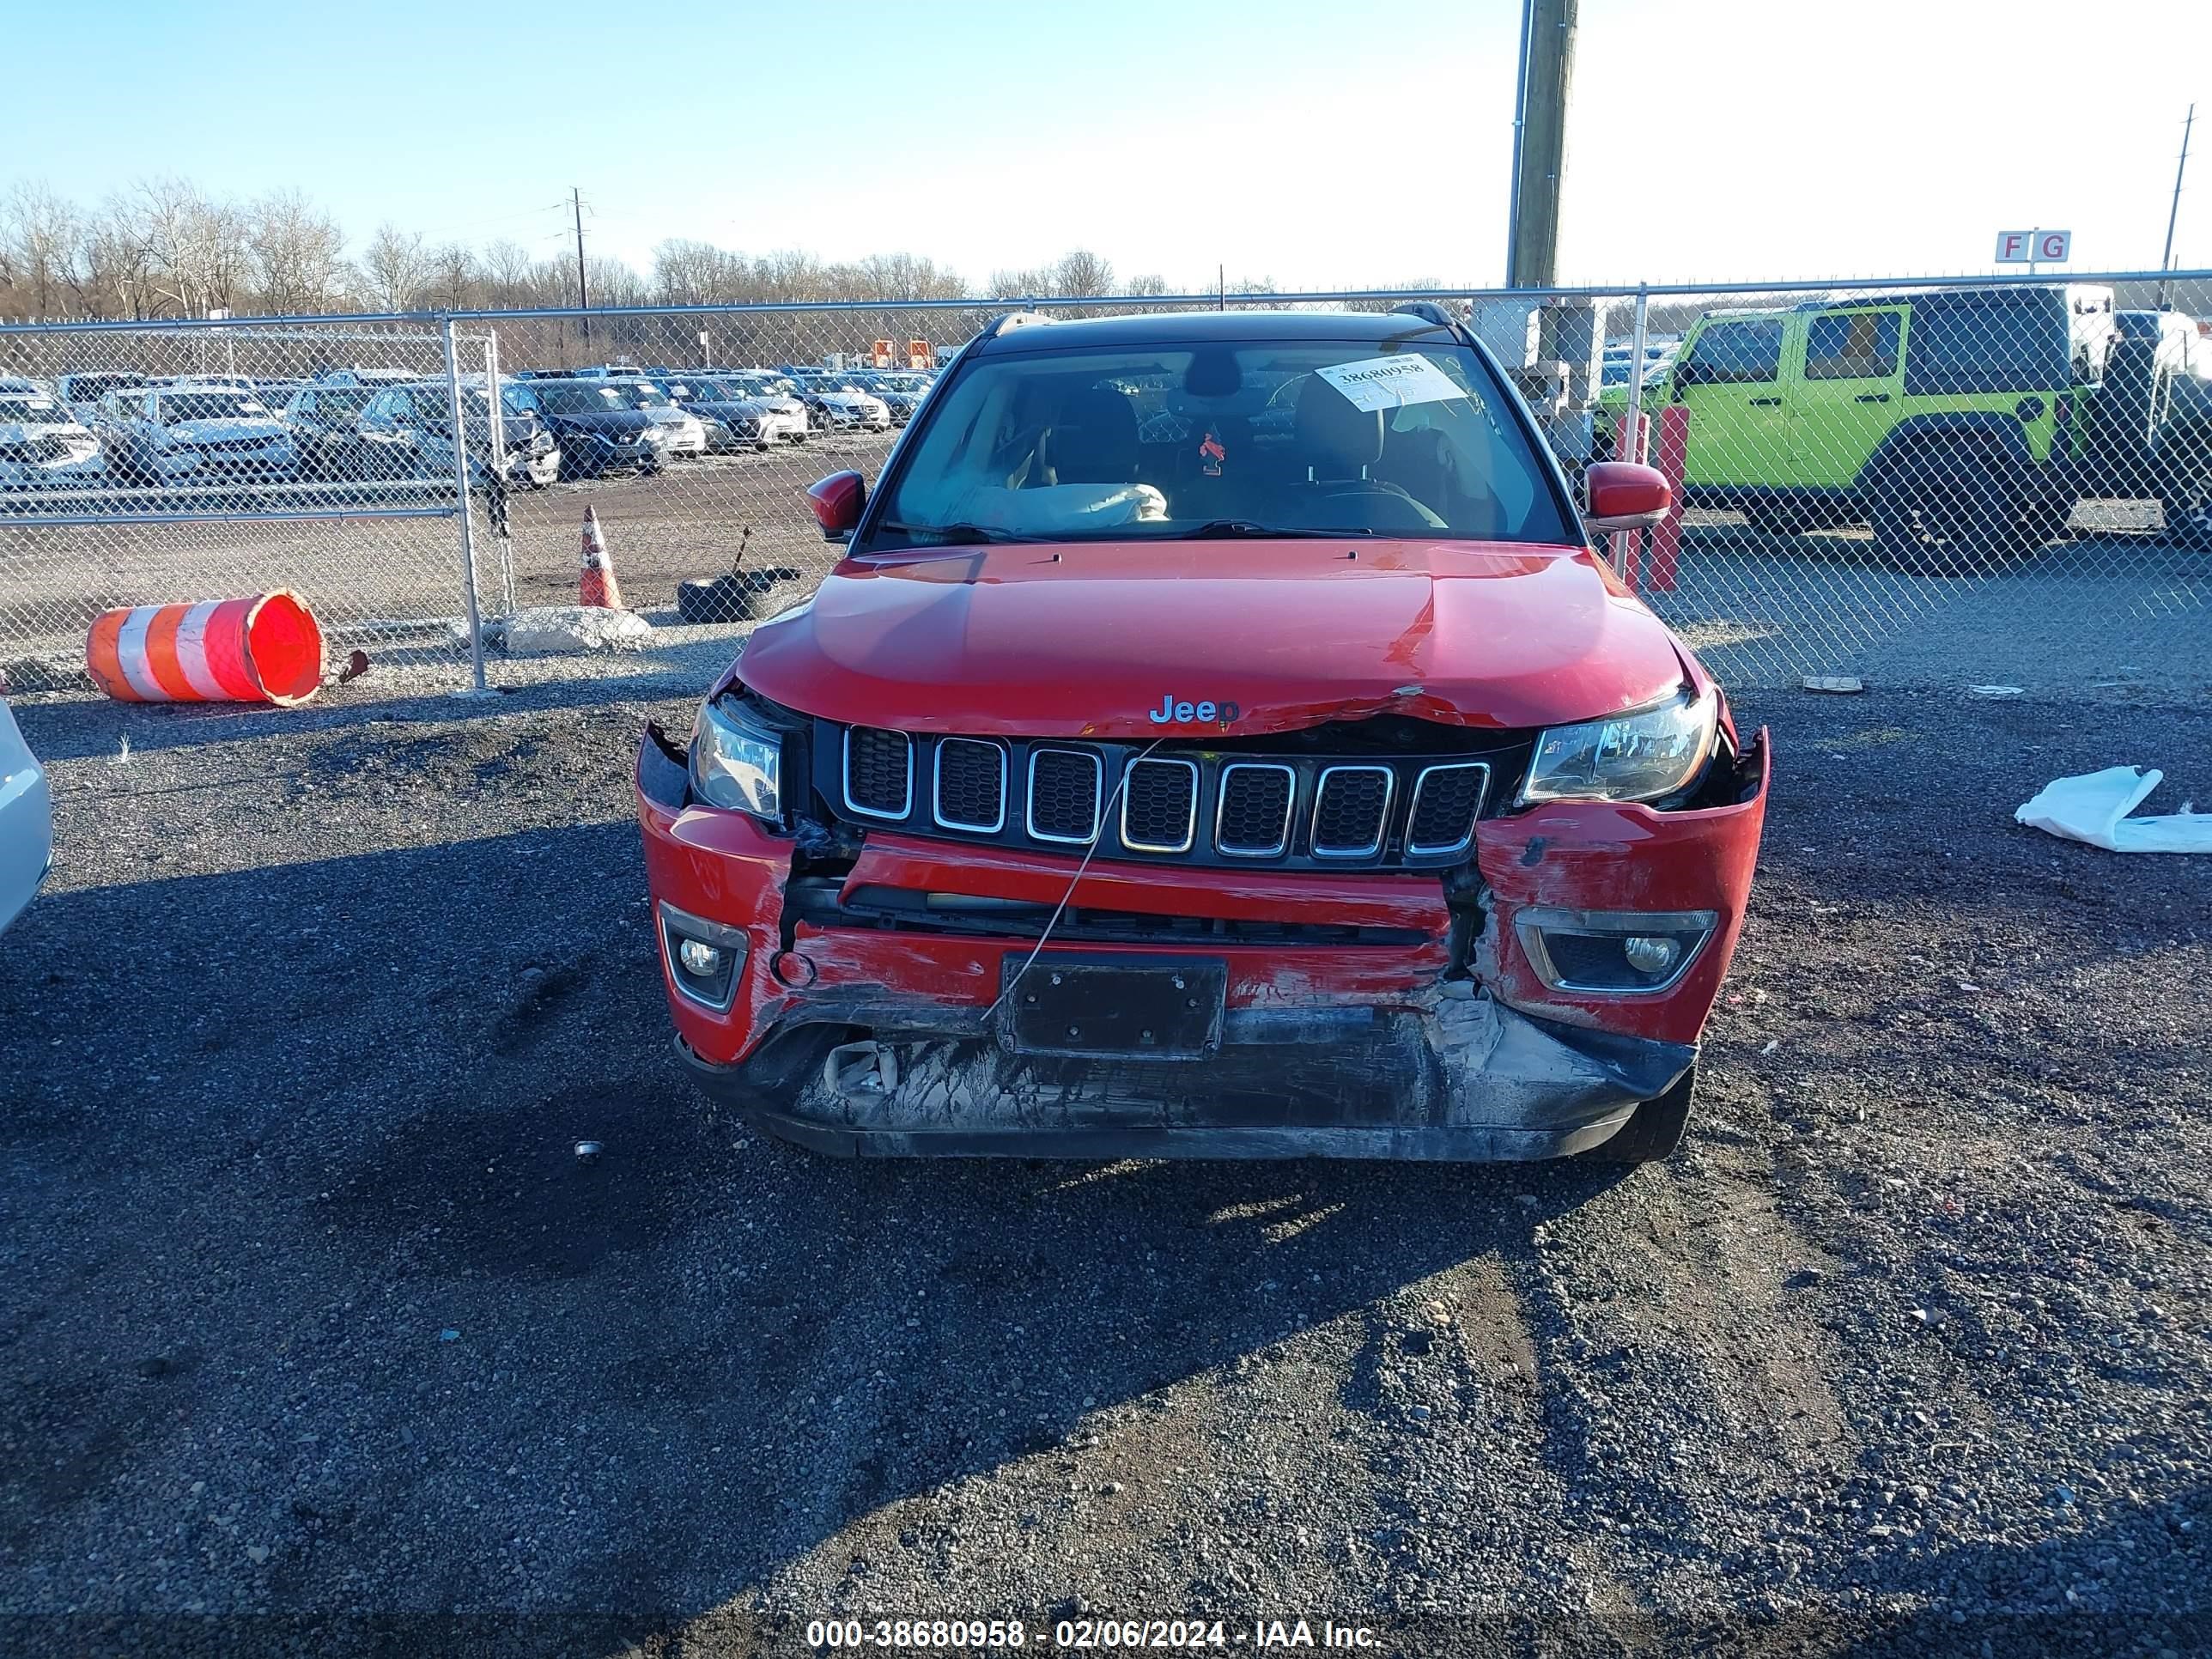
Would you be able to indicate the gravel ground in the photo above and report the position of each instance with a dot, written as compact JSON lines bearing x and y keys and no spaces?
{"x":316,"y":1328}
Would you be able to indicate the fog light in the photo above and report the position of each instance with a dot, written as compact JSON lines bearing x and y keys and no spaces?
{"x":704,"y":958}
{"x":1646,"y":953}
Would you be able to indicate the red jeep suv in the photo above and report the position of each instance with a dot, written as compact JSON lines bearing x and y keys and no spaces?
{"x":1218,"y":739}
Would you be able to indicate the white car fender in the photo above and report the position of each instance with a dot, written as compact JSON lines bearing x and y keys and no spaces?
{"x":26,"y":820}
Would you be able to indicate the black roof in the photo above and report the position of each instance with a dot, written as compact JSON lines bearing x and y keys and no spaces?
{"x":1209,"y":328}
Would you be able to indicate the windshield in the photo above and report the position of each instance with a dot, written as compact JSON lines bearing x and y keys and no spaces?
{"x":584,"y":400}
{"x":1340,"y":437}
{"x":342,"y":404}
{"x":33,"y":411}
{"x":638,"y":394}
{"x":98,"y":385}
{"x":213,"y":406}
{"x":433,"y":406}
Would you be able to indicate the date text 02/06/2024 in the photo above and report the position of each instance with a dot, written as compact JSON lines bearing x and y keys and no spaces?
{"x":1086,"y":1634}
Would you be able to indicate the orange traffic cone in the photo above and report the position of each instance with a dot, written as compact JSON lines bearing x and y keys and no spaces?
{"x":597,"y":586}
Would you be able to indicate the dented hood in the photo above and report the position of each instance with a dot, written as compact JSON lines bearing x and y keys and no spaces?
{"x":1097,"y":639}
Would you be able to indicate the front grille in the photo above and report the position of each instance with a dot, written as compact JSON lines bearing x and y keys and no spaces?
{"x":1255,"y":817}
{"x":1159,"y":806}
{"x":229,"y":445}
{"x":971,"y":785}
{"x":1064,"y":786}
{"x":879,"y":772}
{"x":1351,"y":810}
{"x":1392,"y":797}
{"x":1445,"y":801}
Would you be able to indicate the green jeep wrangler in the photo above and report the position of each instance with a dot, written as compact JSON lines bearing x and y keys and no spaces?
{"x":1962,"y":424}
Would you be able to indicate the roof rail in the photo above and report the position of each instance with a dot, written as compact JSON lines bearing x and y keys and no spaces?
{"x":998,"y":325}
{"x":1429,"y":311}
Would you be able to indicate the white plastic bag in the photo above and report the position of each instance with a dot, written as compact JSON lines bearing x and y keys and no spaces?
{"x":2095,"y":808}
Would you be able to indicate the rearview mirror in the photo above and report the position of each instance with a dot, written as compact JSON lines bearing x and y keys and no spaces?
{"x":836,"y":500}
{"x":1622,"y":495}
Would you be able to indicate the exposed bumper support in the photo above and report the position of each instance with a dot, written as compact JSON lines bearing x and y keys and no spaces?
{"x":1472,"y":1080}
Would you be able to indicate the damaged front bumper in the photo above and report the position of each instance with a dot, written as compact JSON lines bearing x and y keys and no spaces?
{"x":1360,"y":1015}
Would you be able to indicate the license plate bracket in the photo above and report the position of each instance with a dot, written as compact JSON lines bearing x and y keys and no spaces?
{"x":1114,"y":1007}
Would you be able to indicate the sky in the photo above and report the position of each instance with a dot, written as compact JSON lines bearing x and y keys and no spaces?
{"x":1317,"y":143}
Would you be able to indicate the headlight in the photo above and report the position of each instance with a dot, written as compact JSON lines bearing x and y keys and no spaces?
{"x":1629,"y":757}
{"x":737,"y":762}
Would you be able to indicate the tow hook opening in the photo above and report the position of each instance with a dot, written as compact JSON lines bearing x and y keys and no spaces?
{"x":864,"y":1068}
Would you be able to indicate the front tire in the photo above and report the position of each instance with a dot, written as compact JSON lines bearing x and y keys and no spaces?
{"x":1653,"y":1130}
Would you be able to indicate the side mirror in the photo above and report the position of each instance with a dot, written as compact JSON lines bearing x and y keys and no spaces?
{"x":837,"y":500}
{"x":1687,"y":374}
{"x":1622,"y":495}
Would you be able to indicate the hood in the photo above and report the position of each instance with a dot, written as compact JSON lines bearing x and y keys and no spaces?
{"x":12,"y":432}
{"x":229,"y":430}
{"x":610,"y":423}
{"x":732,"y":408}
{"x":1004,"y":640}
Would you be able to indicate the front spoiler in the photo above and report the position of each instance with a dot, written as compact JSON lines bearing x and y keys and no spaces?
{"x":1468,"y":1080}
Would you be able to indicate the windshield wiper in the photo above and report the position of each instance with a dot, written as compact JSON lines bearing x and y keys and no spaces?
{"x":956,"y":535}
{"x":1245,"y":529}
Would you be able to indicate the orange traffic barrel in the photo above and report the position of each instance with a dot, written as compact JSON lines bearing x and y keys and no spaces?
{"x":264,"y":649}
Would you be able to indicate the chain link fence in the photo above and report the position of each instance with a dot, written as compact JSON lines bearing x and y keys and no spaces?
{"x":1935,"y":482}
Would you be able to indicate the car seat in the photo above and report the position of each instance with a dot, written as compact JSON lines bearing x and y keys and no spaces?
{"x":1092,"y":440}
{"x":1340,"y":443}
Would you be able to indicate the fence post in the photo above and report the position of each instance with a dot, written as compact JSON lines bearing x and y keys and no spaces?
{"x":1630,"y":426}
{"x":461,"y":484}
{"x":499,"y":466}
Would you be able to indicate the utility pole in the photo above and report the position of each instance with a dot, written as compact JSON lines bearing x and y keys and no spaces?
{"x":2166,"y":260}
{"x":1539,"y":141}
{"x":583,"y":293}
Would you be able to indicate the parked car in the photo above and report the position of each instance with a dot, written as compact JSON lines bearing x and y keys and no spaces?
{"x":844,"y":406}
{"x":2156,"y":403}
{"x":1963,"y":424}
{"x":687,"y":435}
{"x":732,"y":419}
{"x":900,"y":394}
{"x":83,"y":391}
{"x":407,"y":431}
{"x":1404,"y":831}
{"x":778,"y":393}
{"x":43,"y":444}
{"x":594,"y":426}
{"x":322,"y":419}
{"x":366,"y":377}
{"x":194,"y":434}
{"x":26,"y":820}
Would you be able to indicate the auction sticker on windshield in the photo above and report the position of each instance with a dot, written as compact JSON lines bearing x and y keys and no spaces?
{"x":1392,"y":382}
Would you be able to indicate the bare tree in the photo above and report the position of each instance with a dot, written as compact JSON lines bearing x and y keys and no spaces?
{"x":298,"y":254}
{"x":506,"y":269}
{"x":1082,"y":274}
{"x":453,"y":282}
{"x":394,"y":268}
{"x":163,"y":246}
{"x":42,"y":240}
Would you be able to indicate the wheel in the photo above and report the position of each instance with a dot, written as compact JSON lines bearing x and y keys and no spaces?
{"x":2046,"y":520}
{"x":1947,"y":514}
{"x":2188,"y":509}
{"x":1654,"y":1129}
